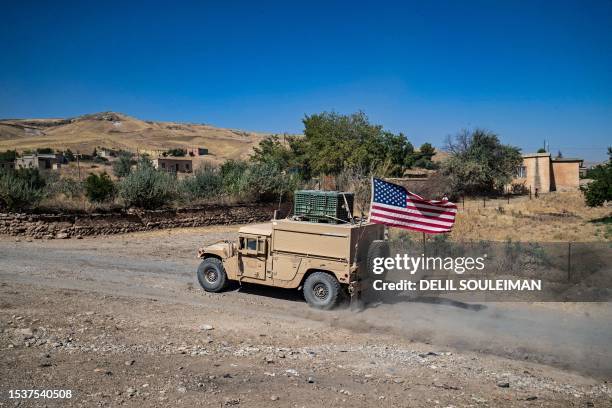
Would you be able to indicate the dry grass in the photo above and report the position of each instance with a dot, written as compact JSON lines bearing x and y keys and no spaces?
{"x":554,"y":217}
{"x":87,"y":132}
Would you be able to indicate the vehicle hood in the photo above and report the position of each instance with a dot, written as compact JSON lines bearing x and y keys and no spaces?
{"x":222,"y":249}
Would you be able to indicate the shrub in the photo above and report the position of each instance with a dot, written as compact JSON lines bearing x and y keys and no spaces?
{"x":174,"y":152}
{"x":206,"y":182}
{"x":233,"y":175}
{"x":148,"y":188}
{"x":31,"y":176}
{"x":600,"y":189}
{"x":266,"y":182}
{"x":21,"y":189}
{"x":99,"y":188}
{"x":257,"y":181}
{"x":66,"y":186}
{"x":123,"y":165}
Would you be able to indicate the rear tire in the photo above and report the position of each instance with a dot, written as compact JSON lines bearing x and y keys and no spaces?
{"x":377,"y":249}
{"x":212,"y":276}
{"x":322,"y":291}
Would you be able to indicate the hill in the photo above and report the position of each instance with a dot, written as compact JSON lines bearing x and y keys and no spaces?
{"x":119,"y":131}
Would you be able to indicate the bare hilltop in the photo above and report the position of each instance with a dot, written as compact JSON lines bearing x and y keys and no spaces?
{"x":119,"y":131}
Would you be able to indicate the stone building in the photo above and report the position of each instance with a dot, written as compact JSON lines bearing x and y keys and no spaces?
{"x":40,"y":161}
{"x":542,"y":172}
{"x":173,"y":164}
{"x":196,"y":151}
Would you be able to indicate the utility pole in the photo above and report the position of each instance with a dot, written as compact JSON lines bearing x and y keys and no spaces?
{"x":78,"y":157}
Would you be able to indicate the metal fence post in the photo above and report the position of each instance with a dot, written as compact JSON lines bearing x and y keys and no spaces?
{"x":424,"y":248}
{"x":569,"y":261}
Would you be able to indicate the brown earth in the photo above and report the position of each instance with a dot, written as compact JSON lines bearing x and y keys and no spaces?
{"x":119,"y":131}
{"x":120,"y":320}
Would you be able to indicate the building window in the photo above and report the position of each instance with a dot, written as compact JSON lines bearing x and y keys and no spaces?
{"x":521,"y":172}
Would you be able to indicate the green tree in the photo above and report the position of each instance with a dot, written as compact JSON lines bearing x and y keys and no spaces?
{"x":398,"y":153}
{"x":334,"y":141}
{"x":599,"y":190}
{"x":69,"y":155}
{"x":175,"y":152}
{"x":8,"y":156}
{"x":123,"y":165}
{"x":423,"y":158}
{"x":99,"y":188}
{"x":272,"y":150}
{"x":479,"y":162}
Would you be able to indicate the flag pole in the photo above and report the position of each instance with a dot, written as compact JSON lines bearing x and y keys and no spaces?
{"x":371,"y":197}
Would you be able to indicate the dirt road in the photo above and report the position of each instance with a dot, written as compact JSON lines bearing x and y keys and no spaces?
{"x":121,"y":320}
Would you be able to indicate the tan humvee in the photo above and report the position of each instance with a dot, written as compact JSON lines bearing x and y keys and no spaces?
{"x":327,"y":261}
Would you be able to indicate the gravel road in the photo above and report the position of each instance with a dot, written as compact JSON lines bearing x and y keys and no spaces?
{"x":121,"y":321}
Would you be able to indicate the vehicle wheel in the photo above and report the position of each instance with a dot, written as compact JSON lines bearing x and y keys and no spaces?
{"x":211,"y":275}
{"x":322,"y":290}
{"x":377,"y":249}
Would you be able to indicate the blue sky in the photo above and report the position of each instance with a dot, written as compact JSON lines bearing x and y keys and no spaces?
{"x":528,"y":70}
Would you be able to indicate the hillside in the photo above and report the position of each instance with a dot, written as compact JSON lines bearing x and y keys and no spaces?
{"x":119,"y":131}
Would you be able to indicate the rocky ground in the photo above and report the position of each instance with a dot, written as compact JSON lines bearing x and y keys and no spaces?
{"x":120,"y":321}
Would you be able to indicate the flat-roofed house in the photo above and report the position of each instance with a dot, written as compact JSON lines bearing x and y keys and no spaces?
{"x":173,"y":164}
{"x":543,"y":173}
{"x":196,"y":151}
{"x":41,"y":161}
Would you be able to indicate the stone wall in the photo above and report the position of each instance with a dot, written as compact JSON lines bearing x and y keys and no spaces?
{"x":64,"y":225}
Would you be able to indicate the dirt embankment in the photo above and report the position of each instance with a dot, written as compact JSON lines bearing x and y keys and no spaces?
{"x":69,"y":225}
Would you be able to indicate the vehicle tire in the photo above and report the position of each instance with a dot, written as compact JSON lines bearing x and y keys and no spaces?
{"x":211,"y":275}
{"x":322,"y":290}
{"x":377,"y":249}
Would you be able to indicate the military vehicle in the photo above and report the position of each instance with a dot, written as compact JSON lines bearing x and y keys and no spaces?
{"x":329,"y":262}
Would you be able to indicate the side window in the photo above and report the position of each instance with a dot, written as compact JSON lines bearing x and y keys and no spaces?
{"x":262,"y":246}
{"x":251,"y":244}
{"x":241,"y":243}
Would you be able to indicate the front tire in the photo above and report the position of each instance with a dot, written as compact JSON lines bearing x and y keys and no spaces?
{"x":322,"y":290}
{"x":212,"y":276}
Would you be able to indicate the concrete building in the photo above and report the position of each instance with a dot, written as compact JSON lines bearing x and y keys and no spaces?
{"x":196,"y":151}
{"x":542,"y":172}
{"x":173,"y":164}
{"x":40,"y":161}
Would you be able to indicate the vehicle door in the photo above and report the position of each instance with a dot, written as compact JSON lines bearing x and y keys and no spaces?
{"x":252,"y":256}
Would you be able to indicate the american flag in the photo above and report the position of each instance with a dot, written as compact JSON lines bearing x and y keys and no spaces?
{"x":395,"y":206}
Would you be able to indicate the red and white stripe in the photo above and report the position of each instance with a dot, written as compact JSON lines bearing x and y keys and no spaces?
{"x":431,"y":216}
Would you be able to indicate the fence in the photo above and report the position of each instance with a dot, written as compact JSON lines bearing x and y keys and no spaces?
{"x":576,"y":271}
